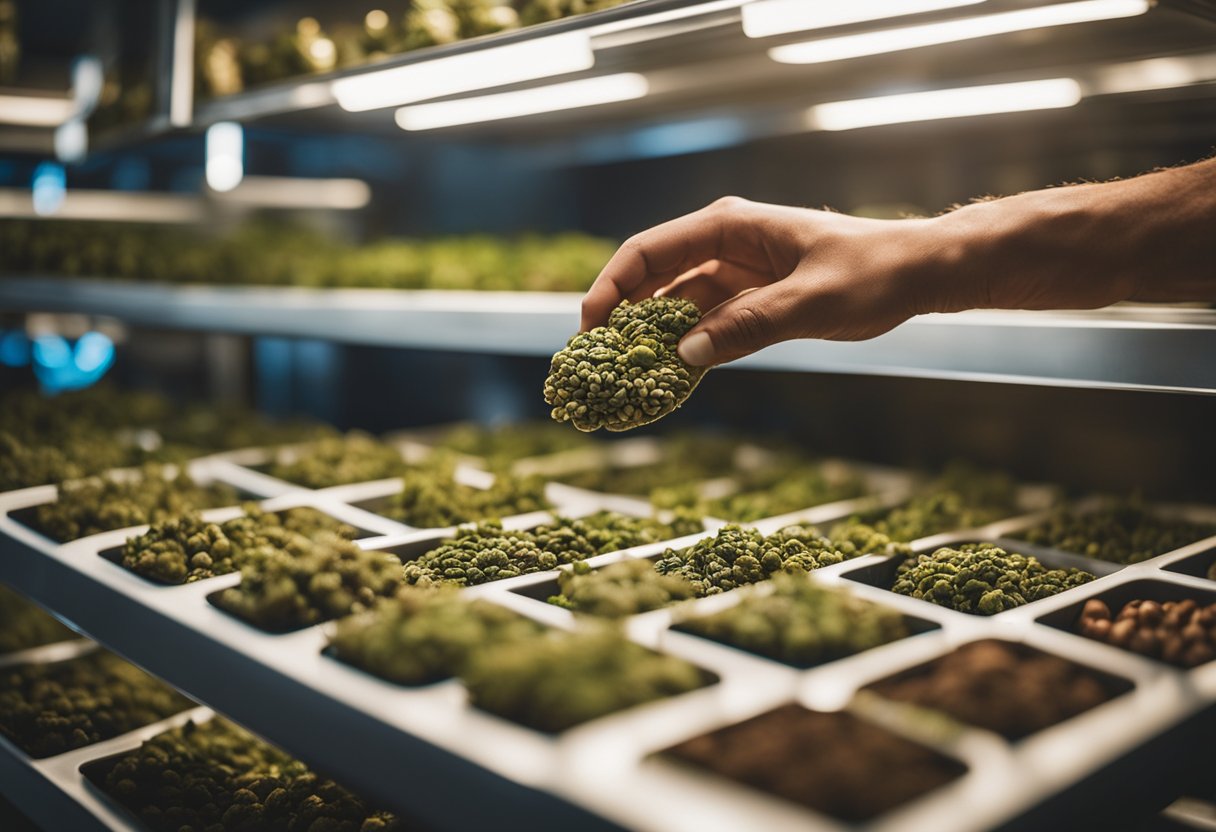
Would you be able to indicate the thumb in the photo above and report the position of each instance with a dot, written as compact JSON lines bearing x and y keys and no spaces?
{"x":750,"y":321}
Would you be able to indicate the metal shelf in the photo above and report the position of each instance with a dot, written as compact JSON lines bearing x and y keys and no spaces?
{"x":698,"y":62}
{"x":1132,"y":347}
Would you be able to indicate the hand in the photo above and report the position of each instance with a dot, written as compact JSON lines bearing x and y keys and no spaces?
{"x":768,"y":273}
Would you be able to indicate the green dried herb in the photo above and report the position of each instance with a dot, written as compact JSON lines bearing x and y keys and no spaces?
{"x":480,"y":554}
{"x":187,"y":548}
{"x":801,"y":623}
{"x":626,"y":374}
{"x":737,"y":556}
{"x":1121,"y":532}
{"x":507,"y":443}
{"x":564,"y":679}
{"x":24,"y":624}
{"x":430,"y":497}
{"x":330,"y":577}
{"x":982,"y":579}
{"x":99,"y":504}
{"x":608,"y":531}
{"x":47,"y":709}
{"x":420,"y":636}
{"x":217,"y":777}
{"x":782,"y":489}
{"x":355,"y":457}
{"x":963,"y":497}
{"x":619,"y":589}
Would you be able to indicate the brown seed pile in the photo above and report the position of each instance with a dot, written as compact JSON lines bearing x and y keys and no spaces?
{"x":831,"y":762}
{"x":1000,"y":687}
{"x":1178,"y":632}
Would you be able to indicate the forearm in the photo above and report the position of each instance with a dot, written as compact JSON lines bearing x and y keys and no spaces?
{"x":1151,"y":238}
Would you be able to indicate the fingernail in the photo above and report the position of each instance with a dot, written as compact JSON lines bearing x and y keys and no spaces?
{"x":696,"y":349}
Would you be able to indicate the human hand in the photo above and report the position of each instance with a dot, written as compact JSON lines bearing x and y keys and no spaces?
{"x":767,"y":273}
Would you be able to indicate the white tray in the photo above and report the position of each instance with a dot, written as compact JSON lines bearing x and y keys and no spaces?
{"x":425,"y":750}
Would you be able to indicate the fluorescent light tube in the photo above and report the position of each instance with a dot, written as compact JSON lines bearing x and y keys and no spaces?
{"x":497,"y":66}
{"x":225,"y":167}
{"x":569,"y":95}
{"x":293,"y":192}
{"x":777,"y":17}
{"x":35,"y":111}
{"x":950,"y":31}
{"x":953,"y":103}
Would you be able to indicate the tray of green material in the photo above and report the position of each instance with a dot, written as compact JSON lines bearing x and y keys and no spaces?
{"x":562,"y":656}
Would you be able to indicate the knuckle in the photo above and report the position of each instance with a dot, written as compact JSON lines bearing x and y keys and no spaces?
{"x":749,"y":326}
{"x":727,"y":203}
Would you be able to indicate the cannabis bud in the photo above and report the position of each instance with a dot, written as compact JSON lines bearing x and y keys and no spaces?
{"x":982,"y":579}
{"x":626,"y":374}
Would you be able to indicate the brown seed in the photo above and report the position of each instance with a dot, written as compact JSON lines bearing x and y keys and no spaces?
{"x":1095,"y":609}
{"x":1193,"y":633}
{"x":1187,"y":606}
{"x":1121,"y":632}
{"x":1145,"y":641}
{"x":1171,"y":648}
{"x":1196,"y":655}
{"x":1099,"y":628}
{"x":1150,"y":613}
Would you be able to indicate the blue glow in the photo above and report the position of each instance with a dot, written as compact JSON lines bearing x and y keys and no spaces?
{"x":52,"y":351}
{"x":94,"y":352}
{"x":60,"y":366}
{"x":692,"y":136}
{"x":14,"y":349}
{"x":50,"y":187}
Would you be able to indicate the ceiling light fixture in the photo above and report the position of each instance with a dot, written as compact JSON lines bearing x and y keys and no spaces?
{"x":1047,"y":94}
{"x":497,"y":66}
{"x":841,"y":48}
{"x":586,"y":92}
{"x":778,"y":17}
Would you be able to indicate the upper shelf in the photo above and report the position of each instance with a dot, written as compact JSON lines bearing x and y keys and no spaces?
{"x":696,"y":61}
{"x":1148,"y":348}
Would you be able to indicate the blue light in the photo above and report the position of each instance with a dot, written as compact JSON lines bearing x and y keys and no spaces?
{"x":52,"y":351}
{"x":94,"y":352}
{"x":693,"y":136}
{"x":14,"y":349}
{"x":50,"y":188}
{"x":60,"y":366}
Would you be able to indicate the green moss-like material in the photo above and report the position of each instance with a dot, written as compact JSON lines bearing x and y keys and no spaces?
{"x":963,"y":497}
{"x":1121,"y":532}
{"x":480,"y":554}
{"x":187,"y":548}
{"x":801,"y":623}
{"x":619,"y":589}
{"x":100,"y":504}
{"x":24,"y":624}
{"x":737,"y":556}
{"x":982,"y":579}
{"x":47,"y":709}
{"x":431,"y":497}
{"x":355,"y":457}
{"x":330,"y":577}
{"x":626,"y":374}
{"x":217,"y":777}
{"x":565,"y":679}
{"x":421,"y":636}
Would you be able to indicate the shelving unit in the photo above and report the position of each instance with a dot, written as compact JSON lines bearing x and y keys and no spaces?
{"x":1144,"y":348}
{"x":424,"y":751}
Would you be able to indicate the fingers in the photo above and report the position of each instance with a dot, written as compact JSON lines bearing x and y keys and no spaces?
{"x":750,"y":321}
{"x":655,"y":257}
{"x":715,"y":282}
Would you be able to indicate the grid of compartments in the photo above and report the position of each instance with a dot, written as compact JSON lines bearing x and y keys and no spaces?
{"x":673,"y":755}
